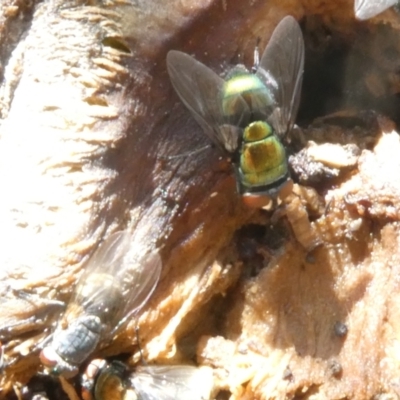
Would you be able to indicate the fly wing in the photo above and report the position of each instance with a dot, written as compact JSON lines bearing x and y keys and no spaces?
{"x":117,"y":281}
{"x":202,"y":91}
{"x":137,"y":279}
{"x":179,"y":382}
{"x":281,"y":69}
{"x":365,"y":9}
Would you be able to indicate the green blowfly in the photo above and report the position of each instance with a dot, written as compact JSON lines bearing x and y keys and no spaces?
{"x":247,"y":114}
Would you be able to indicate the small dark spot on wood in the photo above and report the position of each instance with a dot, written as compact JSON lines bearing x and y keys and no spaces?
{"x":340,"y":329}
{"x":335,"y":368}
{"x":288,"y":375}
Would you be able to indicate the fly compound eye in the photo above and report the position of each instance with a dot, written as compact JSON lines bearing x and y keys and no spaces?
{"x":86,"y":394}
{"x":257,"y":201}
{"x":94,"y":367}
{"x":55,"y":364}
{"x":49,"y":357}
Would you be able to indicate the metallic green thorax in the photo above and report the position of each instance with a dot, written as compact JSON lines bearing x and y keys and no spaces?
{"x":262,"y":159}
{"x":241,"y":84}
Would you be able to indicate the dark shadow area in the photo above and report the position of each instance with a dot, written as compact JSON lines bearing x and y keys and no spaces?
{"x":343,"y":72}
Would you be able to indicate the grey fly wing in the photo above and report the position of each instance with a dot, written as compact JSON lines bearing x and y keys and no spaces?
{"x":202,"y":91}
{"x":118,"y":280}
{"x":179,"y":382}
{"x":100,"y":270}
{"x":139,"y":284}
{"x":281,"y":69}
{"x":365,"y":9}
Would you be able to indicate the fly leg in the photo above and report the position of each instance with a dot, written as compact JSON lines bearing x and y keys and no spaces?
{"x":31,"y":312}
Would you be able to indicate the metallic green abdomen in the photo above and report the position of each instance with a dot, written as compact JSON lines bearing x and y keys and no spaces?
{"x":262,"y":157}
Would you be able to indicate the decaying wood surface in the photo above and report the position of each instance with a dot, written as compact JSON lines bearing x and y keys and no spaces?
{"x":88,"y":121}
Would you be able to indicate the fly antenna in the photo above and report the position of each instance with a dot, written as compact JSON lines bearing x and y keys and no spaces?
{"x":139,"y":346}
{"x":256,"y":60}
